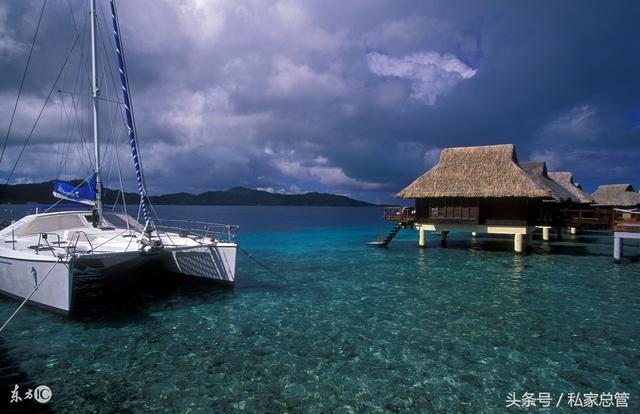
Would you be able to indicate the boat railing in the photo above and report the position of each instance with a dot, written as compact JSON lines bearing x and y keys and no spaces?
{"x":74,"y":239}
{"x":199,"y":229}
{"x":43,"y":242}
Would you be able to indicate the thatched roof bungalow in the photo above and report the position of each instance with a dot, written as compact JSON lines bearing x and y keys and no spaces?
{"x":582,"y":214}
{"x":478,"y":186}
{"x":565,"y":179}
{"x":489,"y":171}
{"x":537,"y":170}
{"x":616,"y":195}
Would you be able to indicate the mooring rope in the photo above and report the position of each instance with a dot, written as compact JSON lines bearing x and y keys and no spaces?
{"x":250,"y":256}
{"x":29,"y":297}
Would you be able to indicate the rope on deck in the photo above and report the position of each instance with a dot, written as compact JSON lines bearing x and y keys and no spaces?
{"x":29,"y":296}
{"x":250,"y":256}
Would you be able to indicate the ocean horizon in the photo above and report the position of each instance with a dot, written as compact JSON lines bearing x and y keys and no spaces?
{"x":324,"y":323}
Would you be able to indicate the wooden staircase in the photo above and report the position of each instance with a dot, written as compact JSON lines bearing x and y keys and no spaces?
{"x":389,"y":237}
{"x":402,"y":216}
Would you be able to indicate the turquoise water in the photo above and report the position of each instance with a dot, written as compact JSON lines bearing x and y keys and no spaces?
{"x":355,"y":328}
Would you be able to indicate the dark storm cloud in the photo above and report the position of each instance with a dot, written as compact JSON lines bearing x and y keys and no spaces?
{"x":351,"y":97}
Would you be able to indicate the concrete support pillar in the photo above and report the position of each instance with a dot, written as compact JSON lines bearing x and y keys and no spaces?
{"x":421,"y":240}
{"x":573,"y":230}
{"x":545,"y":233}
{"x":474,"y":234}
{"x":518,"y":243}
{"x":617,"y":249}
{"x":443,"y":238}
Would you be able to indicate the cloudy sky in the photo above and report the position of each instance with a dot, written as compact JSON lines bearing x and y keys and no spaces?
{"x":353,"y":97}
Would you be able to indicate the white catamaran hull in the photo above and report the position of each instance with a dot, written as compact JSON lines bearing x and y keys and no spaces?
{"x":19,"y":276}
{"x":214,"y":263}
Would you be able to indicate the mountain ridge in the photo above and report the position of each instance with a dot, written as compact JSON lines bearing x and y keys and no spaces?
{"x":240,"y":196}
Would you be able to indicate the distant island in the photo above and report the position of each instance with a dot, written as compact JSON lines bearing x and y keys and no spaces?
{"x":41,"y":193}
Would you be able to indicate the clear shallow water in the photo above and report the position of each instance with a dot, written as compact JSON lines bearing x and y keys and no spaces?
{"x":356,"y":328}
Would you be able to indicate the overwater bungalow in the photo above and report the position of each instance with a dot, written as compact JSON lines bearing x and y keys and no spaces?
{"x":549,"y":214}
{"x":582,"y":214}
{"x":479,"y":190}
{"x":616,"y":195}
{"x":623,"y":202}
{"x":565,"y":179}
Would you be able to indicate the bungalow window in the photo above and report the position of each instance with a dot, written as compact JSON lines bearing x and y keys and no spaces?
{"x":434,"y":211}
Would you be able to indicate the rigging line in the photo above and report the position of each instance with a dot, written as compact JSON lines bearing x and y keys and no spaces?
{"x":79,"y":123}
{"x":70,"y":124}
{"x":67,"y":134}
{"x":111,"y":143}
{"x":115,"y":149}
{"x":250,"y":256}
{"x":53,"y":87}
{"x":60,"y":144}
{"x":61,"y":132}
{"x":85,"y":146}
{"x":24,"y":75}
{"x":111,"y":72}
{"x":83,"y":61}
{"x":77,"y":83}
{"x":29,"y":296}
{"x":114,"y":138}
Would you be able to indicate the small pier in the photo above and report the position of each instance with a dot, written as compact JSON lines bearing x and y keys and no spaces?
{"x":626,"y":225}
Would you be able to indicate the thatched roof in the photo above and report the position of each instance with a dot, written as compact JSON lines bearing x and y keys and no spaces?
{"x":487,"y":171}
{"x":565,"y":179}
{"x":537,"y":170}
{"x":616,"y":195}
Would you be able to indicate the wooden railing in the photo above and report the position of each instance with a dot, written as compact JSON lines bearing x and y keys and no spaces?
{"x":585,"y":217}
{"x":400,"y":214}
{"x":626,"y":221}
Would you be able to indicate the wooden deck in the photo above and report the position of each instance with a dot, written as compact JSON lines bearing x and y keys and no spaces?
{"x":593,"y":218}
{"x":405,"y":216}
{"x":627,"y":221}
{"x":626,"y":225}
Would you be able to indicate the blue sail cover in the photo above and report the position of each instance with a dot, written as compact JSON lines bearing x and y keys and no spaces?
{"x":84,"y":193}
{"x":133,"y":142}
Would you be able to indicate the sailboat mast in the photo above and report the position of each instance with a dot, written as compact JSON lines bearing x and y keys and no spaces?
{"x":95,"y":93}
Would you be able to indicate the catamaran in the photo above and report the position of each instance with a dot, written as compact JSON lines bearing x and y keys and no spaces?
{"x":44,"y":256}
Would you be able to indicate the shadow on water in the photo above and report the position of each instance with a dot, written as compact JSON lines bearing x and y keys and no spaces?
{"x":506,"y":245}
{"x":579,"y":247}
{"x":126,"y":300}
{"x":563,"y":249}
{"x":630,"y":259}
{"x":11,"y":375}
